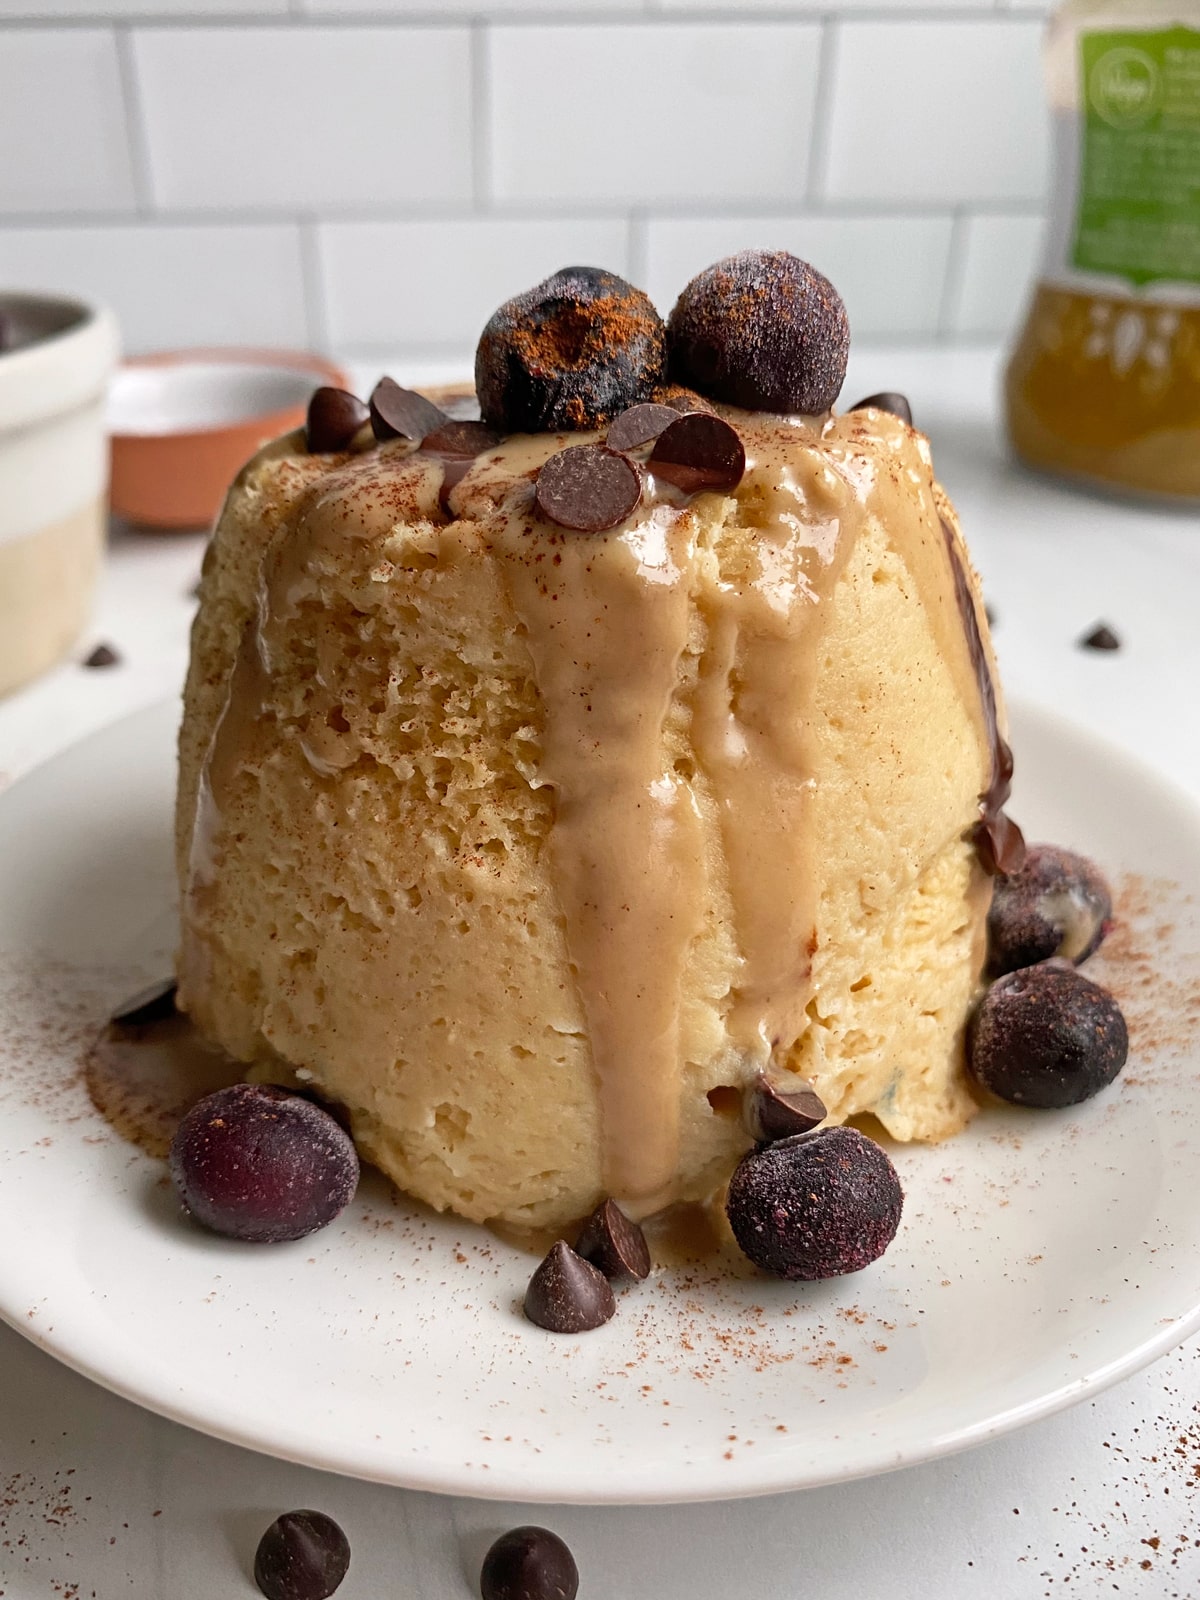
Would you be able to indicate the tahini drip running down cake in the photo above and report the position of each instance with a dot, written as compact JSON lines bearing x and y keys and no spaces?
{"x":573,"y":772}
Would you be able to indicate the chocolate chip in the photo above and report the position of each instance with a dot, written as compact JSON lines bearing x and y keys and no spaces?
{"x":1100,"y":638}
{"x":8,"y":333}
{"x":334,"y":417}
{"x":103,"y":656}
{"x":567,"y":1294}
{"x":613,"y":1242}
{"x":460,"y":440}
{"x":761,"y":329}
{"x":588,"y":487}
{"x":529,"y":1564}
{"x":815,"y":1206}
{"x":772,"y":1112}
{"x":570,"y":353}
{"x":887,"y":400}
{"x":154,"y":1004}
{"x":1047,"y":1037}
{"x":303,"y":1555}
{"x":639,"y":425}
{"x":398,"y":413}
{"x":697,"y":452}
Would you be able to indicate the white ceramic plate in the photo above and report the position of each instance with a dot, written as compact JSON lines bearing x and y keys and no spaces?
{"x":1041,"y":1256}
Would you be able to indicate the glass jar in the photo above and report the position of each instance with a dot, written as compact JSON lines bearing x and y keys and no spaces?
{"x":1104,"y":383}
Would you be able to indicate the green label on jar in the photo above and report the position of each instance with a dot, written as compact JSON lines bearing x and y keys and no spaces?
{"x":1139,"y":193}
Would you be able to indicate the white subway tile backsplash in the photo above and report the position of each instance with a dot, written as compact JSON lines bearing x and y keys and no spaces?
{"x":825,"y":6}
{"x":931,"y":111}
{"x":63,"y":136}
{"x":476,"y":8}
{"x":652,"y":113}
{"x":891,"y":271}
{"x":999,"y":262}
{"x":306,"y":117}
{"x":141,"y":8}
{"x":172,"y":284}
{"x":429,"y":285}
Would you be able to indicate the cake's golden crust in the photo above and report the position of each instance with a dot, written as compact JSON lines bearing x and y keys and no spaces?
{"x":365,"y":824}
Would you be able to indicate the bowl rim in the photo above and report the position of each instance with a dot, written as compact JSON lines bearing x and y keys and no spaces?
{"x":277,"y":418}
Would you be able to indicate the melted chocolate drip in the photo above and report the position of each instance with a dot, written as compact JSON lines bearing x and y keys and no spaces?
{"x":998,"y":841}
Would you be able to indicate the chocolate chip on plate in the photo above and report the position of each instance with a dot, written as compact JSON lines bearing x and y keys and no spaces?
{"x":334,"y":417}
{"x":1056,"y":904}
{"x":1101,"y":637}
{"x":613,"y":1242}
{"x":889,"y":400}
{"x":771,"y":1111}
{"x":639,"y":425}
{"x":257,"y":1162}
{"x":103,"y":656}
{"x":569,"y":353}
{"x":529,"y":1563}
{"x":153,"y":1004}
{"x":761,"y":329}
{"x":398,"y":413}
{"x":303,"y":1555}
{"x":568,"y":1294}
{"x":699,"y":451}
{"x":1046,"y":1036}
{"x":815,"y":1206}
{"x":588,"y":487}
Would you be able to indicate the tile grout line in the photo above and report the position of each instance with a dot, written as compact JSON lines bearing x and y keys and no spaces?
{"x":637,"y":246}
{"x":816,"y":177}
{"x":560,"y":19}
{"x":479,"y":49}
{"x":956,"y":267}
{"x":137,"y":134}
{"x":312,"y":280}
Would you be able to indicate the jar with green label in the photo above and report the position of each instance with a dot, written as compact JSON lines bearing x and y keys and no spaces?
{"x":1104,"y":384}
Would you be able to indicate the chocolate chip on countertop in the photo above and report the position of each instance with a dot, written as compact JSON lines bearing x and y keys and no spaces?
{"x":887,"y":400}
{"x":1100,"y":638}
{"x":103,"y":656}
{"x":639,"y":425}
{"x":153,"y":1004}
{"x":398,"y":413}
{"x":568,"y":1294}
{"x":699,"y":451}
{"x":588,"y":487}
{"x":303,"y":1555}
{"x":613,"y":1242}
{"x":1047,"y":1037}
{"x":334,"y":417}
{"x":772,"y":1112}
{"x":529,"y":1564}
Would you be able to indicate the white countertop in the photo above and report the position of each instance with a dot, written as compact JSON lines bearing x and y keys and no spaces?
{"x":98,"y":1498}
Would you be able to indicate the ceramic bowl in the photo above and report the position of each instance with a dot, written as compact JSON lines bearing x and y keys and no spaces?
{"x":184,"y":421}
{"x":56,"y":355}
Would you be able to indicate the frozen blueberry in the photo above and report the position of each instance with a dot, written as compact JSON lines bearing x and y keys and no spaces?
{"x":572,"y":353}
{"x":815,"y":1206}
{"x":1047,"y":1037}
{"x":1057,"y":904}
{"x":762,"y":330}
{"x":529,"y":1564}
{"x":256,"y":1162}
{"x":303,"y":1555}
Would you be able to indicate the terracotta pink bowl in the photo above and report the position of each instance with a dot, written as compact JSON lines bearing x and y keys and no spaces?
{"x":184,"y":421}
